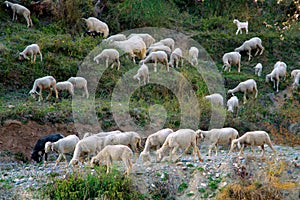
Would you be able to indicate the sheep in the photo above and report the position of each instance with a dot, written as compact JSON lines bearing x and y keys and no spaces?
{"x":159,"y":47}
{"x":252,"y":138}
{"x":33,"y":50}
{"x":296,"y":81}
{"x":193,"y":56}
{"x":101,"y":134}
{"x":108,"y":55}
{"x":233,"y":104}
{"x":112,"y":38}
{"x":142,"y":72}
{"x":44,"y":83}
{"x":176,"y":56}
{"x":182,"y":138}
{"x":147,"y":38}
{"x":230,"y":59}
{"x":215,"y":99}
{"x":157,"y":56}
{"x":247,"y":86}
{"x":294,"y":73}
{"x":114,"y":152}
{"x":154,"y":140}
{"x":240,"y":26}
{"x":279,"y":72}
{"x":80,"y":83}
{"x":218,"y":136}
{"x":258,"y":69}
{"x":65,"y":86}
{"x":95,"y":25}
{"x":19,"y":10}
{"x":253,"y":43}
{"x":62,"y":146}
{"x":39,"y":147}
{"x":169,"y":42}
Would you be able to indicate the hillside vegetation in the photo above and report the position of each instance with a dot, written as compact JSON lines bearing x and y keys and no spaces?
{"x":60,"y":35}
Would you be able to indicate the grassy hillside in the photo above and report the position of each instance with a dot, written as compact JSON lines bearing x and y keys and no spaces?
{"x":209,"y":23}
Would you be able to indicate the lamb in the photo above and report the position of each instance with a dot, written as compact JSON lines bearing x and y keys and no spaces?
{"x":44,"y":83}
{"x":147,"y":38}
{"x":114,"y":152}
{"x":108,"y":55}
{"x":62,"y":146}
{"x":65,"y":86}
{"x":230,"y":59}
{"x":176,"y":56}
{"x":253,"y":43}
{"x":193,"y":56}
{"x":277,"y":73}
{"x":19,"y":10}
{"x":158,"y":56}
{"x":218,"y":136}
{"x":252,"y":138}
{"x":112,"y":38}
{"x":233,"y":104}
{"x":240,"y":26}
{"x":183,"y":138}
{"x":294,"y":74}
{"x":39,"y":147}
{"x":258,"y":69}
{"x":158,"y":47}
{"x":33,"y":50}
{"x":154,"y":140}
{"x":169,"y":42}
{"x":215,"y":99}
{"x":247,"y":86}
{"x":296,"y":81}
{"x":142,"y":72}
{"x":80,"y":83}
{"x":95,"y":25}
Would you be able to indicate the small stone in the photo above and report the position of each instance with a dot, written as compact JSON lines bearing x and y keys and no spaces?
{"x":203,"y":184}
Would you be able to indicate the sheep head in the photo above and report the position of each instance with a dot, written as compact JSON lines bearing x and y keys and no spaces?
{"x":235,"y":21}
{"x":94,"y":161}
{"x":48,"y":145}
{"x":226,"y":67}
{"x":33,"y":93}
{"x":268,"y":78}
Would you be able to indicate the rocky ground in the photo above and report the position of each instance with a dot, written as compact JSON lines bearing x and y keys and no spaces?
{"x":184,"y":179}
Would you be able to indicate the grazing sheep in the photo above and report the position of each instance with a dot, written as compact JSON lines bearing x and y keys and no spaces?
{"x":33,"y":50}
{"x":294,"y":73}
{"x":101,"y":134}
{"x":39,"y":147}
{"x":176,"y":56}
{"x":233,"y":104}
{"x":158,"y":47}
{"x":169,"y":42}
{"x":117,"y":37}
{"x":62,"y":146}
{"x":44,"y":83}
{"x":278,"y":73}
{"x":114,"y":152}
{"x":230,"y":59}
{"x":142,"y":72}
{"x":158,"y":56}
{"x":154,"y":140}
{"x":193,"y":56}
{"x":247,"y":86}
{"x":296,"y":81}
{"x":215,"y":99}
{"x":253,"y":138}
{"x":95,"y":25}
{"x":183,"y":138}
{"x":80,"y":83}
{"x":240,"y":26}
{"x":253,"y":43}
{"x":108,"y":55}
{"x":218,"y":136}
{"x":19,"y":10}
{"x":258,"y":69}
{"x":65,"y":86}
{"x":147,"y":38}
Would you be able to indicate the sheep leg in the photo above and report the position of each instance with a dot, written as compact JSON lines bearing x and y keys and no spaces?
{"x":209,"y":150}
{"x":271,"y":146}
{"x":216,"y":148}
{"x":257,"y":50}
{"x":58,"y":159}
{"x":40,"y":96}
{"x":177,"y":62}
{"x":173,"y":152}
{"x":241,"y":150}
{"x":50,"y":94}
{"x":41,"y":55}
{"x":277,"y":85}
{"x":155,"y":65}
{"x":245,"y":98}
{"x":118,"y":61}
{"x":34,"y":58}
{"x":167,"y":66}
{"x":239,"y":66}
{"x":196,"y":151}
{"x":108,"y":164}
{"x":249,"y":54}
{"x":246,"y":30}
{"x":106,"y":63}
{"x":237,"y":32}
{"x":263,"y":150}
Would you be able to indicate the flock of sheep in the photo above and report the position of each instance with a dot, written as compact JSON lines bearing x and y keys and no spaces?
{"x":109,"y":146}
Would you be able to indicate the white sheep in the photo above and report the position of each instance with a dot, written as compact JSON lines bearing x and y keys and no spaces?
{"x":294,"y":73}
{"x":112,"y":38}
{"x":253,"y":43}
{"x":65,"y":86}
{"x":157,"y":56}
{"x":231,"y":59}
{"x":258,"y":69}
{"x":248,"y":86}
{"x":168,"y":42}
{"x":114,"y":152}
{"x":183,"y":139}
{"x":158,"y":47}
{"x":218,"y":136}
{"x":215,"y":99}
{"x":32,"y":50}
{"x":144,"y":73}
{"x":193,"y":56}
{"x":240,"y":26}
{"x":108,"y":55}
{"x":19,"y":10}
{"x":147,"y":38}
{"x":154,"y":140}
{"x":80,"y":83}
{"x":252,"y":138}
{"x":62,"y":146}
{"x":95,"y":25}
{"x":101,"y":134}
{"x":296,"y":81}
{"x":44,"y":83}
{"x":278,"y":73}
{"x":233,"y":104}
{"x":176,"y":56}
